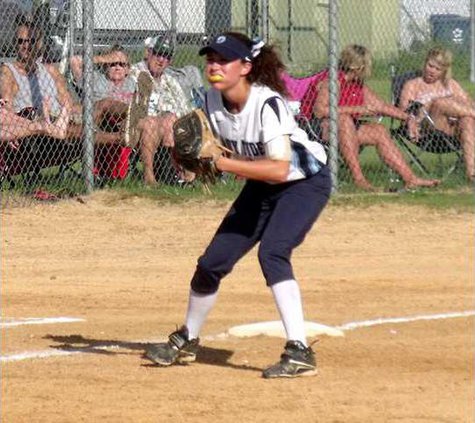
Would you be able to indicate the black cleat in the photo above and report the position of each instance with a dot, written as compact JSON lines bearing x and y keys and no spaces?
{"x":296,"y":361}
{"x":178,"y":349}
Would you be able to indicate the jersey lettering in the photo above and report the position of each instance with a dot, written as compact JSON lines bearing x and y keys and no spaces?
{"x":247,"y":149}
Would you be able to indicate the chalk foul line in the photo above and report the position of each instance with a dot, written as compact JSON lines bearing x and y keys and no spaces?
{"x":35,"y":354}
{"x":384,"y":321}
{"x":38,"y":321}
{"x":344,"y":327}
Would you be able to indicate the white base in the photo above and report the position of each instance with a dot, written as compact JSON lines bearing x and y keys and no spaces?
{"x":276,"y":328}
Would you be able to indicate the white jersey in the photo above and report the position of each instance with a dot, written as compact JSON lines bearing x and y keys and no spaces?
{"x":265,"y":120}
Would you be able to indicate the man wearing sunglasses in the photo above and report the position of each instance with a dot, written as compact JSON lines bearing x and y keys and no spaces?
{"x":159,"y":100}
{"x":26,"y":82}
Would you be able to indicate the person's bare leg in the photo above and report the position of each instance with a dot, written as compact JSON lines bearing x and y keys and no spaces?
{"x":100,"y":108}
{"x":453,"y":107}
{"x":166,"y":123}
{"x":58,"y":129}
{"x":151,"y":136}
{"x":467,"y":139}
{"x":109,"y":107}
{"x":441,"y":110}
{"x":75,"y":133}
{"x":103,"y":137}
{"x":13,"y":127}
{"x":350,"y":150}
{"x":377,"y":135}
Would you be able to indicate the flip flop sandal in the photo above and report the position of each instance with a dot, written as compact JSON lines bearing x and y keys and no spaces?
{"x":138,"y":109}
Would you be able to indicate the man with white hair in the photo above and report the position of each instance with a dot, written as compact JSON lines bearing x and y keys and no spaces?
{"x":160,"y":98}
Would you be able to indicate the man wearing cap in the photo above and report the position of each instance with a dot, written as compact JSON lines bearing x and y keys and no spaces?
{"x":159,"y":100}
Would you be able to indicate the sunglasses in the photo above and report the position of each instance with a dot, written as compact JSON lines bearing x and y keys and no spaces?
{"x":121,"y":64}
{"x":164,"y":55}
{"x":25,"y":40}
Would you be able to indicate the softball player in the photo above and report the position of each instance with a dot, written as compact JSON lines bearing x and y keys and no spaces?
{"x":288,"y":185}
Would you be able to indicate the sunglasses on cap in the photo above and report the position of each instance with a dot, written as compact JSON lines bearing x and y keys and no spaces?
{"x":121,"y":64}
{"x":21,"y":41}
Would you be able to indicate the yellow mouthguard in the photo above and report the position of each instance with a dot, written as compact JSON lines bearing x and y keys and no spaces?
{"x":215,"y":78}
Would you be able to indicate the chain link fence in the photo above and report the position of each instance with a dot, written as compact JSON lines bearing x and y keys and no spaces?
{"x":89,"y":55}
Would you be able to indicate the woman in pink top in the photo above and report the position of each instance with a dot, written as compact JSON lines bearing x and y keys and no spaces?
{"x":448,"y":105}
{"x":356,"y":100}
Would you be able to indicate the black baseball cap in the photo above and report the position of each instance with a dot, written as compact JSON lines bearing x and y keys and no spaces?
{"x":163,"y":46}
{"x":229,"y":47}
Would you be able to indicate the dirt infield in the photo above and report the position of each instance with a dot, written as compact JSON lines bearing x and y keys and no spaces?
{"x":123,"y":267}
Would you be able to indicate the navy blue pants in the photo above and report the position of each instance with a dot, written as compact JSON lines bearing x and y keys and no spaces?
{"x":279,"y":216}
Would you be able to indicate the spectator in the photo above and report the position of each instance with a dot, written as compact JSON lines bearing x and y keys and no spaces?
{"x":160,"y":100}
{"x":448,"y":105}
{"x":28,"y":84}
{"x":356,"y":100}
{"x":113,"y":88}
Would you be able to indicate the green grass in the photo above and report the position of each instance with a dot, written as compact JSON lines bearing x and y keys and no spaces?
{"x":458,"y":201}
{"x":460,"y":198}
{"x":224,"y":190}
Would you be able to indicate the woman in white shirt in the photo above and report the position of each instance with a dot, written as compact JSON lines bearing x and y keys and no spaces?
{"x":446,"y":102}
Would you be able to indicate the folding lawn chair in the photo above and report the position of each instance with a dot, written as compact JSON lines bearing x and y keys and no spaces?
{"x":34,"y":155}
{"x":432,"y":145}
{"x":302,"y":96}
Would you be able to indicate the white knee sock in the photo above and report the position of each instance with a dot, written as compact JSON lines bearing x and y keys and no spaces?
{"x":289,"y":303}
{"x":199,"y":305}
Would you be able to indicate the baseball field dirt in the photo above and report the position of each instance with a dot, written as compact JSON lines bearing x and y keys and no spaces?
{"x":398,"y":280}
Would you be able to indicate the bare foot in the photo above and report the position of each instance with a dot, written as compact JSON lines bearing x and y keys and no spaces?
{"x":149,"y":179}
{"x":187,"y":176}
{"x":59,"y":128}
{"x":419,"y":182}
{"x":364,"y":184}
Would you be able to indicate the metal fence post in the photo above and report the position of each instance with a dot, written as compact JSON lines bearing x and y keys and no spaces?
{"x":265,"y":20}
{"x":333,"y":88}
{"x":173,"y":21}
{"x":290,"y":19}
{"x":72,"y":27}
{"x":472,"y":41}
{"x":88,"y":82}
{"x":69,"y":38}
{"x":254,"y":18}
